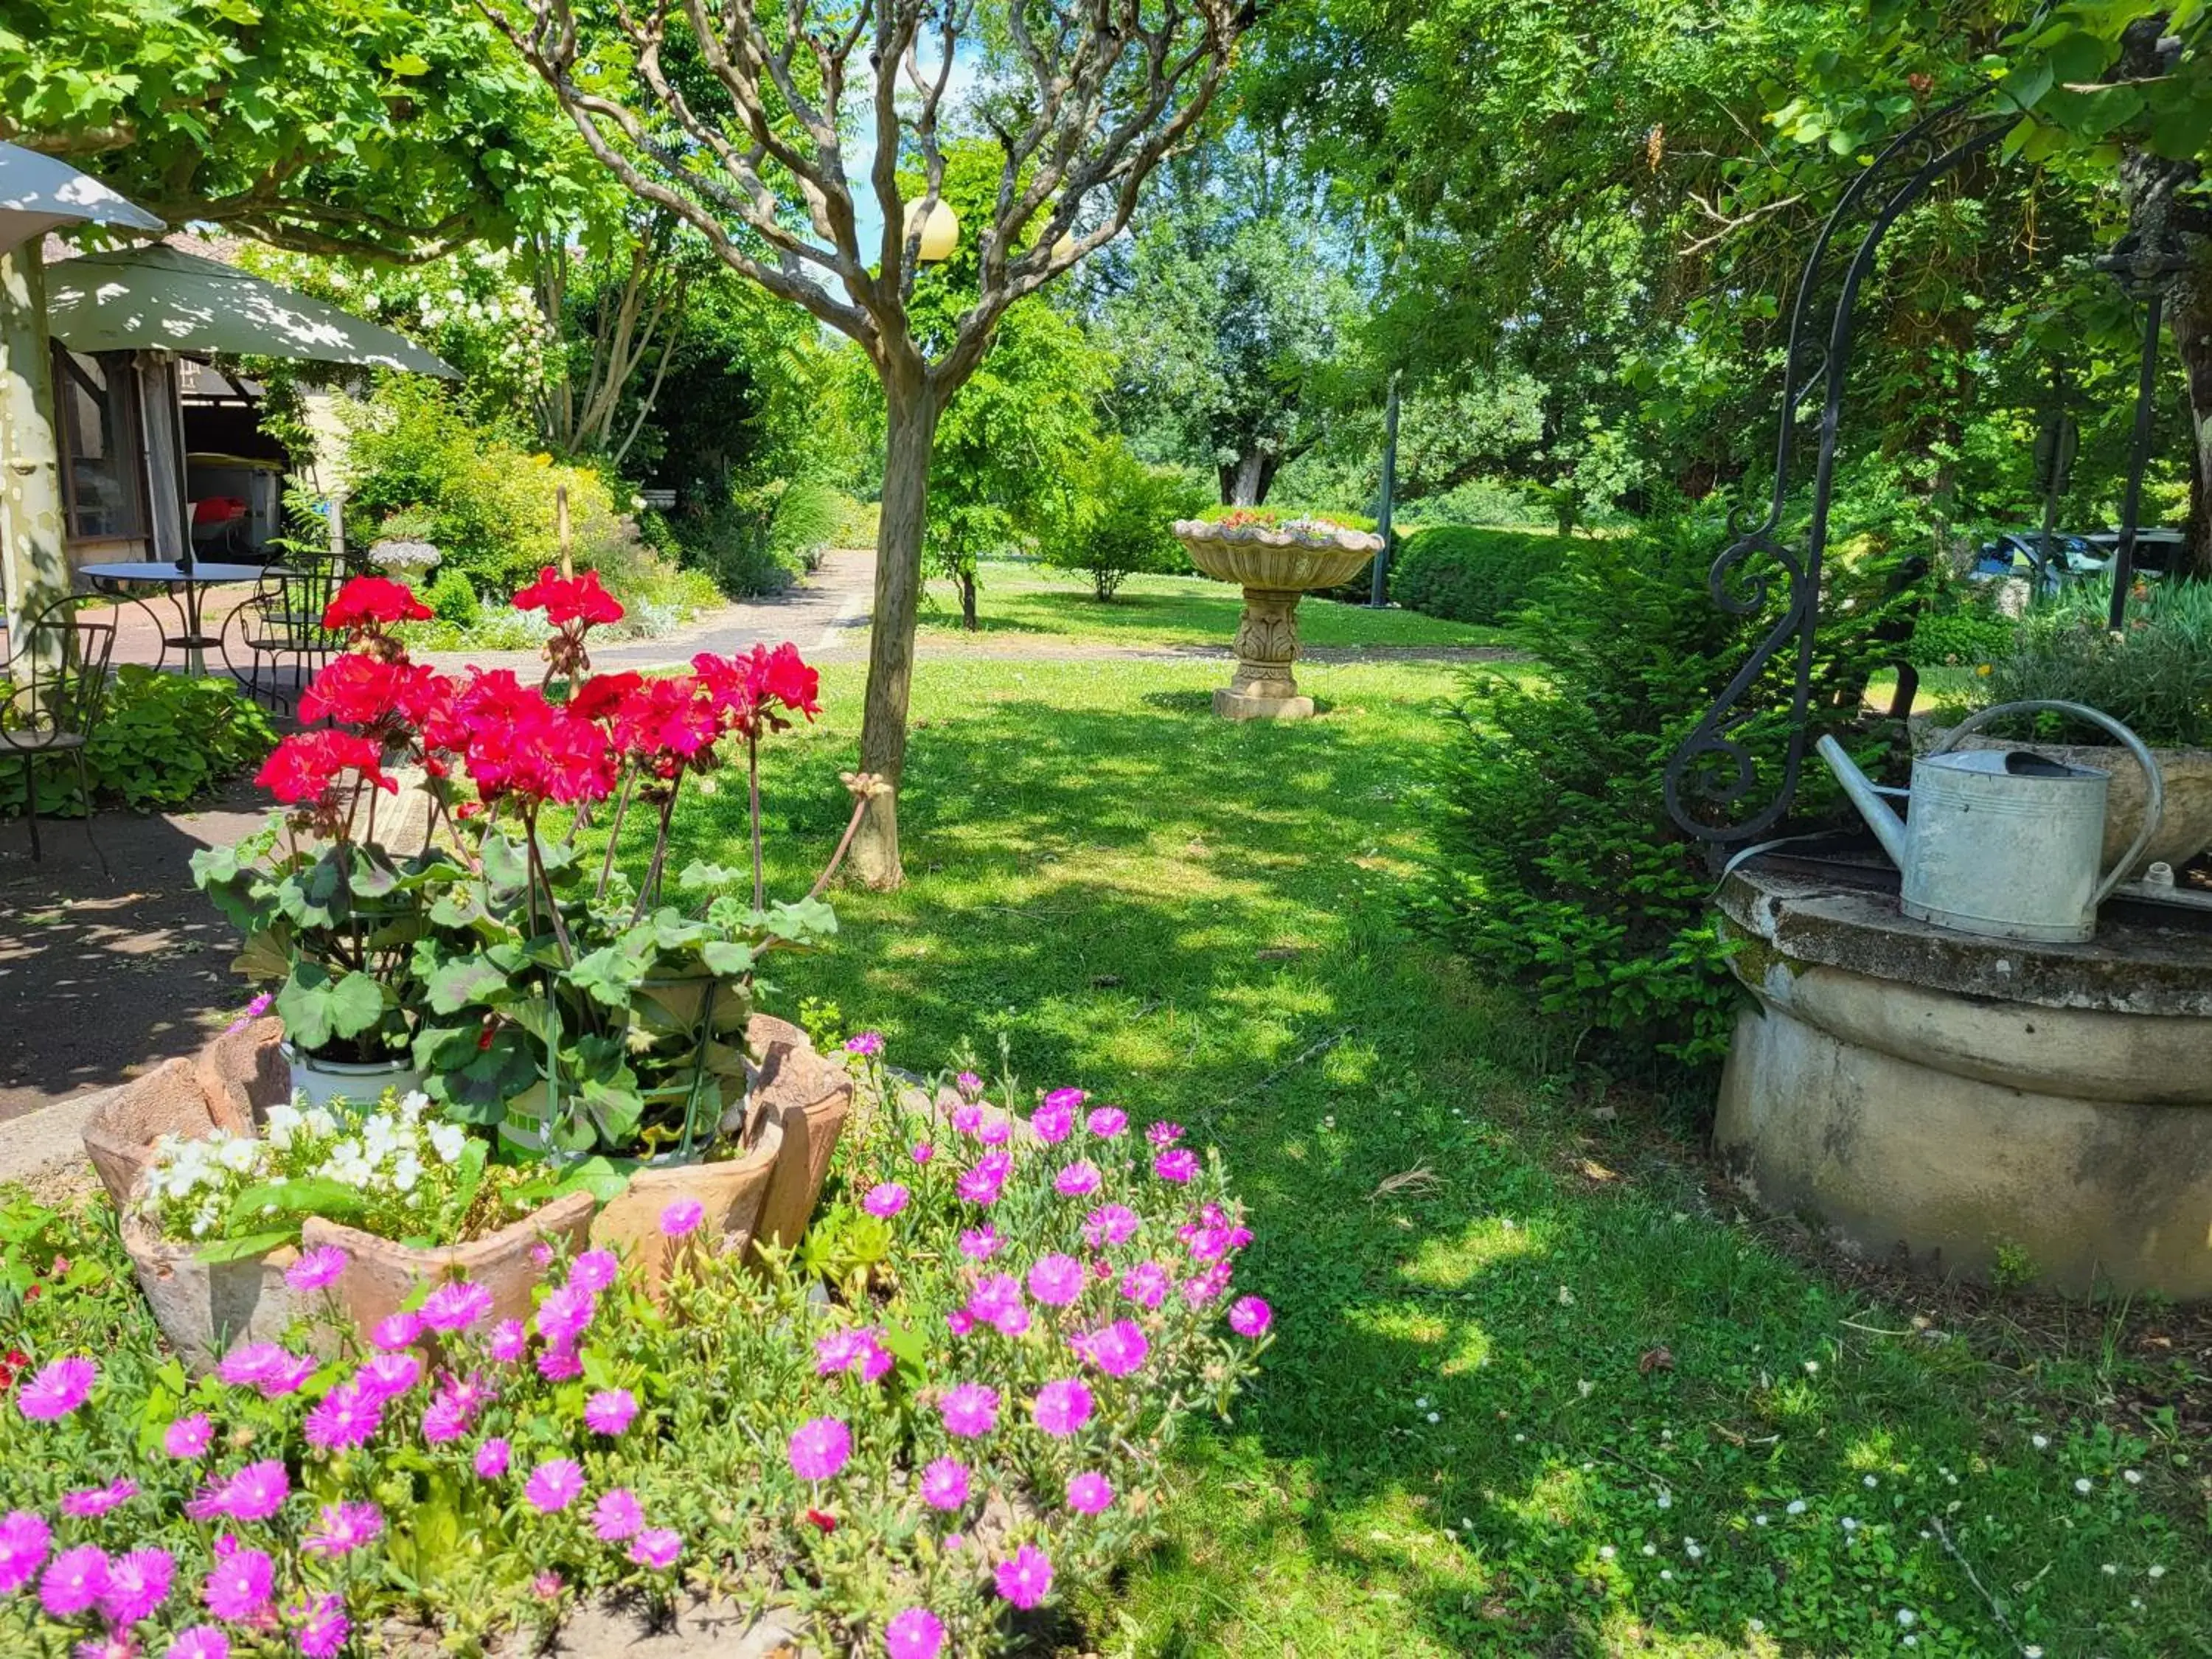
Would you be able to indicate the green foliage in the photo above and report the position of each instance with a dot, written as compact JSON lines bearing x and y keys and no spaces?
{"x":1960,"y":639}
{"x":2154,"y":677}
{"x":490,"y":498}
{"x":1121,"y":523}
{"x":1557,"y":868}
{"x":728,"y":543}
{"x":165,"y":741}
{"x":809,"y":513}
{"x":451,"y":597}
{"x":1472,"y":575}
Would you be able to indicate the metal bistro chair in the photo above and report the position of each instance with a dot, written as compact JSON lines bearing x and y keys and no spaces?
{"x":55,"y":698}
{"x":281,"y":627}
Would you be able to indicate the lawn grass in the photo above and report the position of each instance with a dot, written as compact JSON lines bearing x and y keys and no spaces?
{"x":1057,"y":606}
{"x":1536,"y":1389}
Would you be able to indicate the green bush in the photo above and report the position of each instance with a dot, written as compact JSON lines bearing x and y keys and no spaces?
{"x":453,"y":598}
{"x":1558,"y":869}
{"x":728,"y":544}
{"x":805,"y":524}
{"x":1466,"y":573}
{"x":164,"y":741}
{"x":488,"y":499}
{"x":1964,"y":638}
{"x":856,"y":522}
{"x":1123,"y":519}
{"x":2154,"y":677}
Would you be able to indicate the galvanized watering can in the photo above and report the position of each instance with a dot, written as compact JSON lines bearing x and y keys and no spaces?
{"x":2001,"y":841}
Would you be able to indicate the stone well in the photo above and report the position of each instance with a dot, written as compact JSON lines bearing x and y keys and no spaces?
{"x":1938,"y":1097}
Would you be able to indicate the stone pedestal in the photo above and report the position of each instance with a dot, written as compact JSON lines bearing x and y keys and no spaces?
{"x":1267,"y":647}
{"x":1963,"y":1102}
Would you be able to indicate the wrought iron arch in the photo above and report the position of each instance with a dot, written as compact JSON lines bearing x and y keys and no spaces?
{"x":1741,"y":579}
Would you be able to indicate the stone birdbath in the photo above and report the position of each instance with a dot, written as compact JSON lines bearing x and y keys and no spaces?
{"x":1276,"y":565}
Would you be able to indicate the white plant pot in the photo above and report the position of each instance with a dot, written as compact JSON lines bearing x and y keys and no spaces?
{"x":360,"y":1084}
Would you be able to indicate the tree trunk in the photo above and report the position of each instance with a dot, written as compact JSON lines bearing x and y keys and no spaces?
{"x":909,"y":430}
{"x":2191,"y":318}
{"x":967,"y":581}
{"x":1246,"y":483}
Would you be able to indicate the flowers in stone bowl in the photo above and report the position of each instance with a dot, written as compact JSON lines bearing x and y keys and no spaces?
{"x":971,"y":1422}
{"x":395,"y":1169}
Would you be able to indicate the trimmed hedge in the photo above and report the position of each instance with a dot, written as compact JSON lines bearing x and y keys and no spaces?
{"x":1466,"y":573}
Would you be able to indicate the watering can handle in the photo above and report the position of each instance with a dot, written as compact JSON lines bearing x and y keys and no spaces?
{"x":2144,"y":758}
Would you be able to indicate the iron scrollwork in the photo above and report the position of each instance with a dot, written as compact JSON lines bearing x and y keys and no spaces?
{"x":1714,"y":764}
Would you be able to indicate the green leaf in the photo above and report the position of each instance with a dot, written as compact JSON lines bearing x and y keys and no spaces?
{"x":315,"y":1008}
{"x":238,"y":1249}
{"x":466,"y":981}
{"x":308,"y":1196}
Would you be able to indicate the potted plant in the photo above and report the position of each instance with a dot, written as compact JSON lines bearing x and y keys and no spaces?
{"x":2154,"y":677}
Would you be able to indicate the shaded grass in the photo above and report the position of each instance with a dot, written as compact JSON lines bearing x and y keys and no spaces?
{"x":1518,"y":1346}
{"x":1031,"y":599}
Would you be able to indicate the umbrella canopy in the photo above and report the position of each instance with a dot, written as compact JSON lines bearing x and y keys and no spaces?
{"x":162,"y":299}
{"x":39,"y":194}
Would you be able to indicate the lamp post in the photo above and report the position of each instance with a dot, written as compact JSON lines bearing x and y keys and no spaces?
{"x":1379,"y":594}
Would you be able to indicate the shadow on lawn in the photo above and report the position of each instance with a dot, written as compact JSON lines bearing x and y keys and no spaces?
{"x":1422,"y":1230}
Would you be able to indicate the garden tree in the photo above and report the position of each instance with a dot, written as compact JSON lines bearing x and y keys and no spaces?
{"x":1232,"y":308}
{"x":736,"y":117}
{"x":401,"y":128}
{"x":1123,"y":517}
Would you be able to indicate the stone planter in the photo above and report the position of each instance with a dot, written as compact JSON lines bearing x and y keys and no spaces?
{"x":1276,"y":567}
{"x":227,"y":1085}
{"x":205,"y":1308}
{"x":380,"y":1273}
{"x":811,"y":1098}
{"x":2184,"y":829}
{"x":731,"y":1194}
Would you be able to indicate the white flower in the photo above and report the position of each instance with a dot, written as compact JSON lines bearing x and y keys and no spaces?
{"x":2111,"y":1569}
{"x":2082,"y":1486}
{"x":1665,"y":1500}
{"x":1667,"y":1573}
{"x":1850,"y":1525}
{"x":1906,"y":1617}
{"x":1755,"y":1625}
{"x":2155,"y":1571}
{"x":2040,"y":1442}
{"x":1868,"y":1482}
{"x":1605,"y":1552}
{"x":2031,"y":1651}
{"x":2133,"y":1477}
{"x":1812,"y":1368}
{"x":448,"y":1140}
{"x":319,"y":1122}
{"x":406,"y":1170}
{"x":239,"y":1154}
{"x":1651,"y":1549}
{"x":1422,"y":1404}
{"x":1692,"y":1548}
{"x":413,"y":1104}
{"x":1758,"y":1519}
{"x":1797,"y":1506}
{"x":1434,"y":1418}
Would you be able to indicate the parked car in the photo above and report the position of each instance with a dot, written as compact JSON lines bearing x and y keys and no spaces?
{"x":2020,"y":553}
{"x":2156,"y":549}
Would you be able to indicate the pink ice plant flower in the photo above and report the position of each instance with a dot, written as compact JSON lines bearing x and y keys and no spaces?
{"x":945,"y":1484}
{"x":979,"y":1243}
{"x":681,"y":1217}
{"x":445,"y":1420}
{"x":1208,"y":1286}
{"x":1066,"y":1100}
{"x":344,"y":1528}
{"x":508,"y":1341}
{"x":967,"y":1117}
{"x":200,"y":1642}
{"x":90,"y":1501}
{"x":349,"y":1415}
{"x":594,"y":1270}
{"x":1053,"y":1124}
{"x":1089,"y":1492}
{"x":610,"y":1411}
{"x":968,"y":1084}
{"x":1109,"y":1224}
{"x":1078,"y":1180}
{"x":853,"y":1349}
{"x":554,"y":1484}
{"x":1057,"y":1280}
{"x":996,"y":1129}
{"x":997,"y":1301}
{"x":388,"y":1376}
{"x":1061,"y":1406}
{"x":1179,"y":1164}
{"x":884,"y":1200}
{"x":137,"y":1584}
{"x":913,"y":1633}
{"x":866,"y":1042}
{"x":1250,"y":1316}
{"x":617,"y":1515}
{"x":238,"y":1588}
{"x":1145,"y":1283}
{"x":971,"y":1411}
{"x":58,"y":1389}
{"x":25,"y":1538}
{"x":456,"y":1305}
{"x":566,"y":1314}
{"x":1119,"y":1349}
{"x":188,"y":1438}
{"x":491,"y":1458}
{"x":253,"y":1493}
{"x":819,"y":1448}
{"x":1163,"y":1135}
{"x":922,"y":1152}
{"x":73,"y":1581}
{"x":1107,"y":1122}
{"x":559,"y":1364}
{"x":657,"y":1547}
{"x":396,"y":1331}
{"x":323,"y":1626}
{"x":317,"y":1268}
{"x":1026,"y":1578}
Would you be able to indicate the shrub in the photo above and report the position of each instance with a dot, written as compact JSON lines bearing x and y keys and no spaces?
{"x":1557,"y":868}
{"x":856,"y":521}
{"x":1123,"y":519}
{"x":166,"y":741}
{"x":804,"y":526}
{"x":451,"y":597}
{"x":2154,"y":677}
{"x":1960,"y":638}
{"x":728,"y":544}
{"x":1466,"y":573}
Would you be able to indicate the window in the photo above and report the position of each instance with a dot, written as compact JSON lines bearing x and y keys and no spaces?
{"x":102,"y":445}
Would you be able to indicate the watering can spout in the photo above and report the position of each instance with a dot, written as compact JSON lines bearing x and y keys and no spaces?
{"x":1873,"y":808}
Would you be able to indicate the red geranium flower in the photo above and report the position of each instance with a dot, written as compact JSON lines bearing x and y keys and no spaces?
{"x":666,"y":724}
{"x":827,"y":1523}
{"x":361,"y":689}
{"x":368,"y":603}
{"x":790,"y":681}
{"x":566,"y":600}
{"x":602,"y":695}
{"x":305,"y":766}
{"x":519,"y":744}
{"x":746,"y":688}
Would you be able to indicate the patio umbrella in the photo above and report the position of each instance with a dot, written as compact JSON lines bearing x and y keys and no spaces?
{"x":39,"y":194}
{"x":160,"y":298}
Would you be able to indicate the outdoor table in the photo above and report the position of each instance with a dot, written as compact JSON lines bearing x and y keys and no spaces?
{"x":185,"y":584}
